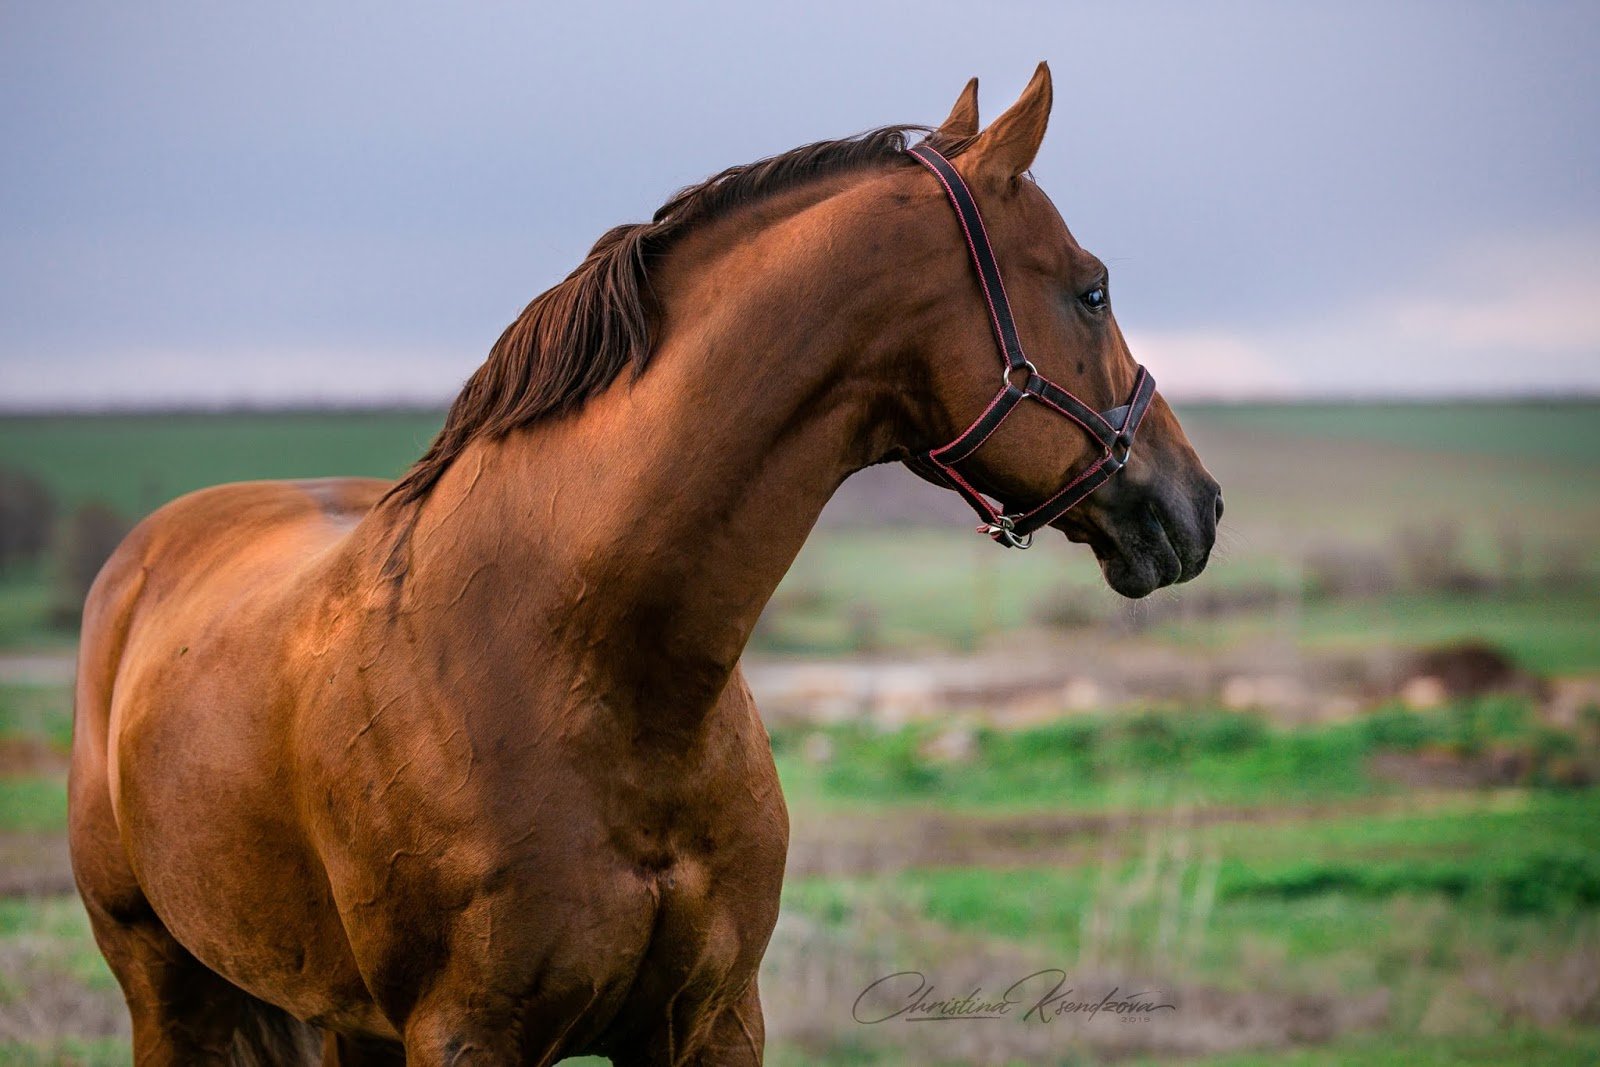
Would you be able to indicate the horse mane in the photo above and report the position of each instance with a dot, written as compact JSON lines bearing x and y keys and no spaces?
{"x":575,"y":338}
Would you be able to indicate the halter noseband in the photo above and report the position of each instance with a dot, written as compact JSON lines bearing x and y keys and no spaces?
{"x":1113,"y":429}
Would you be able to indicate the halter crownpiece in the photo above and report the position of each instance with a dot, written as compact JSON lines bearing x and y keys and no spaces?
{"x":1113,"y":430}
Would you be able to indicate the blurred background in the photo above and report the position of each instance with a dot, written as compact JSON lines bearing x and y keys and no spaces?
{"x":1336,"y":801}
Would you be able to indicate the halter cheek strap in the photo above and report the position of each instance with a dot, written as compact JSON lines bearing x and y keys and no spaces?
{"x":1113,"y":430}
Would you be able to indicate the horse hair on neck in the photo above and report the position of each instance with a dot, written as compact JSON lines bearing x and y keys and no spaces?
{"x":575,"y":338}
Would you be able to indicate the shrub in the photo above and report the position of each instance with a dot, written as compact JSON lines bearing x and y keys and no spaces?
{"x":1536,"y":883}
{"x":1397,"y":727}
{"x":1152,"y":740}
{"x":1340,"y":572}
{"x":1431,"y":557}
{"x":1228,"y":733}
{"x":882,"y":765}
{"x":87,"y":539}
{"x":1545,"y":882}
{"x":1067,"y":609}
{"x":1064,"y":739}
{"x":27,"y":517}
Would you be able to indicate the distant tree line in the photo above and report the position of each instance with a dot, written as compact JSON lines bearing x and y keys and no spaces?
{"x":27,"y":518}
{"x":69,"y":545}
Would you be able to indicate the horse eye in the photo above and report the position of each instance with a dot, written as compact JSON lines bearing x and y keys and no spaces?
{"x":1094,"y":299}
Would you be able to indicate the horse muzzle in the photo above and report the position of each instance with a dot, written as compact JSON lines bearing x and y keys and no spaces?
{"x":1148,"y":536}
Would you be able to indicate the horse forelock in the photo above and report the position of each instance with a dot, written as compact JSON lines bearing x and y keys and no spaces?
{"x":575,"y":338}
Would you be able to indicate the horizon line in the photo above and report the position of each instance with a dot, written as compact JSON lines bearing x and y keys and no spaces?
{"x":403,"y":405}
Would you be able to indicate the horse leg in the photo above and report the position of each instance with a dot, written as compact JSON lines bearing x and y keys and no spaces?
{"x":182,"y":1012}
{"x":185,"y":1013}
{"x":462,"y":1038}
{"x":738,"y":1034}
{"x":470,"y":1026}
{"x":268,"y":1036}
{"x":341,"y":1051}
{"x":736,"y":1037}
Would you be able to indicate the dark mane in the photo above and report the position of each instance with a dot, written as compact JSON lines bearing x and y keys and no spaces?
{"x":575,"y":338}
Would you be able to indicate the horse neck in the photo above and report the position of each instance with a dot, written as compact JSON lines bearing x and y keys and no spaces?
{"x":644,"y":534}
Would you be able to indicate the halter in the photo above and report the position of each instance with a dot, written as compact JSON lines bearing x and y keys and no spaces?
{"x":1113,"y":430}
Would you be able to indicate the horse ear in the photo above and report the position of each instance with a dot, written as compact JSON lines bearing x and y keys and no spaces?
{"x":963,"y":120}
{"x":1008,"y":146}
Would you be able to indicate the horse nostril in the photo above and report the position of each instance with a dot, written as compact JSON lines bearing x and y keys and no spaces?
{"x":1219,"y":505}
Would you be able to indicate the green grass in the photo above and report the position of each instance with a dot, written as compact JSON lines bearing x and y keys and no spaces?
{"x":1433,"y":893}
{"x":1080,"y":765}
{"x":1407,"y":901}
{"x":1356,"y":474}
{"x":42,"y":712}
{"x":1561,"y":432}
{"x":1522,"y":1047}
{"x":106,"y":1052}
{"x":60,"y":925}
{"x":1550,"y":633}
{"x":25,"y":615}
{"x":1287,"y":472}
{"x":929,"y":589}
{"x":33,"y":804}
{"x":1149,"y":760}
{"x":853,"y":591}
{"x":46,"y":942}
{"x":918,"y":587}
{"x":1511,"y":822}
{"x":138,"y":462}
{"x":1514,"y":854}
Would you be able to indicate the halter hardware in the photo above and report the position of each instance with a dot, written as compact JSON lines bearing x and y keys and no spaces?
{"x":1004,"y":530}
{"x":1113,"y":430}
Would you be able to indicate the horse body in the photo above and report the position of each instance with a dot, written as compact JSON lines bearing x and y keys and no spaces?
{"x":463,"y":770}
{"x":383,"y":819}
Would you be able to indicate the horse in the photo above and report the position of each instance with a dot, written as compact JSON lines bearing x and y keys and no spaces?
{"x":462,"y":769}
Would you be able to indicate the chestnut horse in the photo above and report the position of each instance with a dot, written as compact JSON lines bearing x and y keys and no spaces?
{"x":463,"y":769}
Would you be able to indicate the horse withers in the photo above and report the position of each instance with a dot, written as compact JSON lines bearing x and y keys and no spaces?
{"x":462,"y":769}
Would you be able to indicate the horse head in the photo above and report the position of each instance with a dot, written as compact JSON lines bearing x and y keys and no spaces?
{"x":1058,"y":432}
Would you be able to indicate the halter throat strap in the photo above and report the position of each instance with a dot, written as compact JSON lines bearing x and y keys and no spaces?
{"x":1112,"y":430}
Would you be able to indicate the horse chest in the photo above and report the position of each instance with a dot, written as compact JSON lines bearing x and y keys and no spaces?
{"x":570,"y":869}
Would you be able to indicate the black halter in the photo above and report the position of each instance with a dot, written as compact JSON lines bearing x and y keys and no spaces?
{"x":1113,"y":429}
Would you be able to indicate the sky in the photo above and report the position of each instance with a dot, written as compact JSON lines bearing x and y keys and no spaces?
{"x":274,"y":203}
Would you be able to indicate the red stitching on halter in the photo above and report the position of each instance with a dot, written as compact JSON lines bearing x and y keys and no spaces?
{"x":1131,"y":422}
{"x":983,"y":283}
{"x":994,"y":513}
{"x":998,"y":273}
{"x":1001,"y":395}
{"x":1101,"y":462}
{"x":1053,"y":406}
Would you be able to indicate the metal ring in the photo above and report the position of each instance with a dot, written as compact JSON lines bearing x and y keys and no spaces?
{"x":1023,"y":542}
{"x":1003,"y":530}
{"x":1007,"y":369}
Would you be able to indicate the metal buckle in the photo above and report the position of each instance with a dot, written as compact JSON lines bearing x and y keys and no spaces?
{"x":1004,"y":531}
{"x":1121,"y":448}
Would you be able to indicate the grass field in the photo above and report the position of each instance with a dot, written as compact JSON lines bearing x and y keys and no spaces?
{"x":1413,"y":932}
{"x":1150,"y":759}
{"x":138,"y":462}
{"x":1298,"y":479}
{"x":1392,"y":884}
{"x":1561,"y":433}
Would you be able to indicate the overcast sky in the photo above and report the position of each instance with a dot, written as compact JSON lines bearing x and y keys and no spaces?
{"x":269,"y":202}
